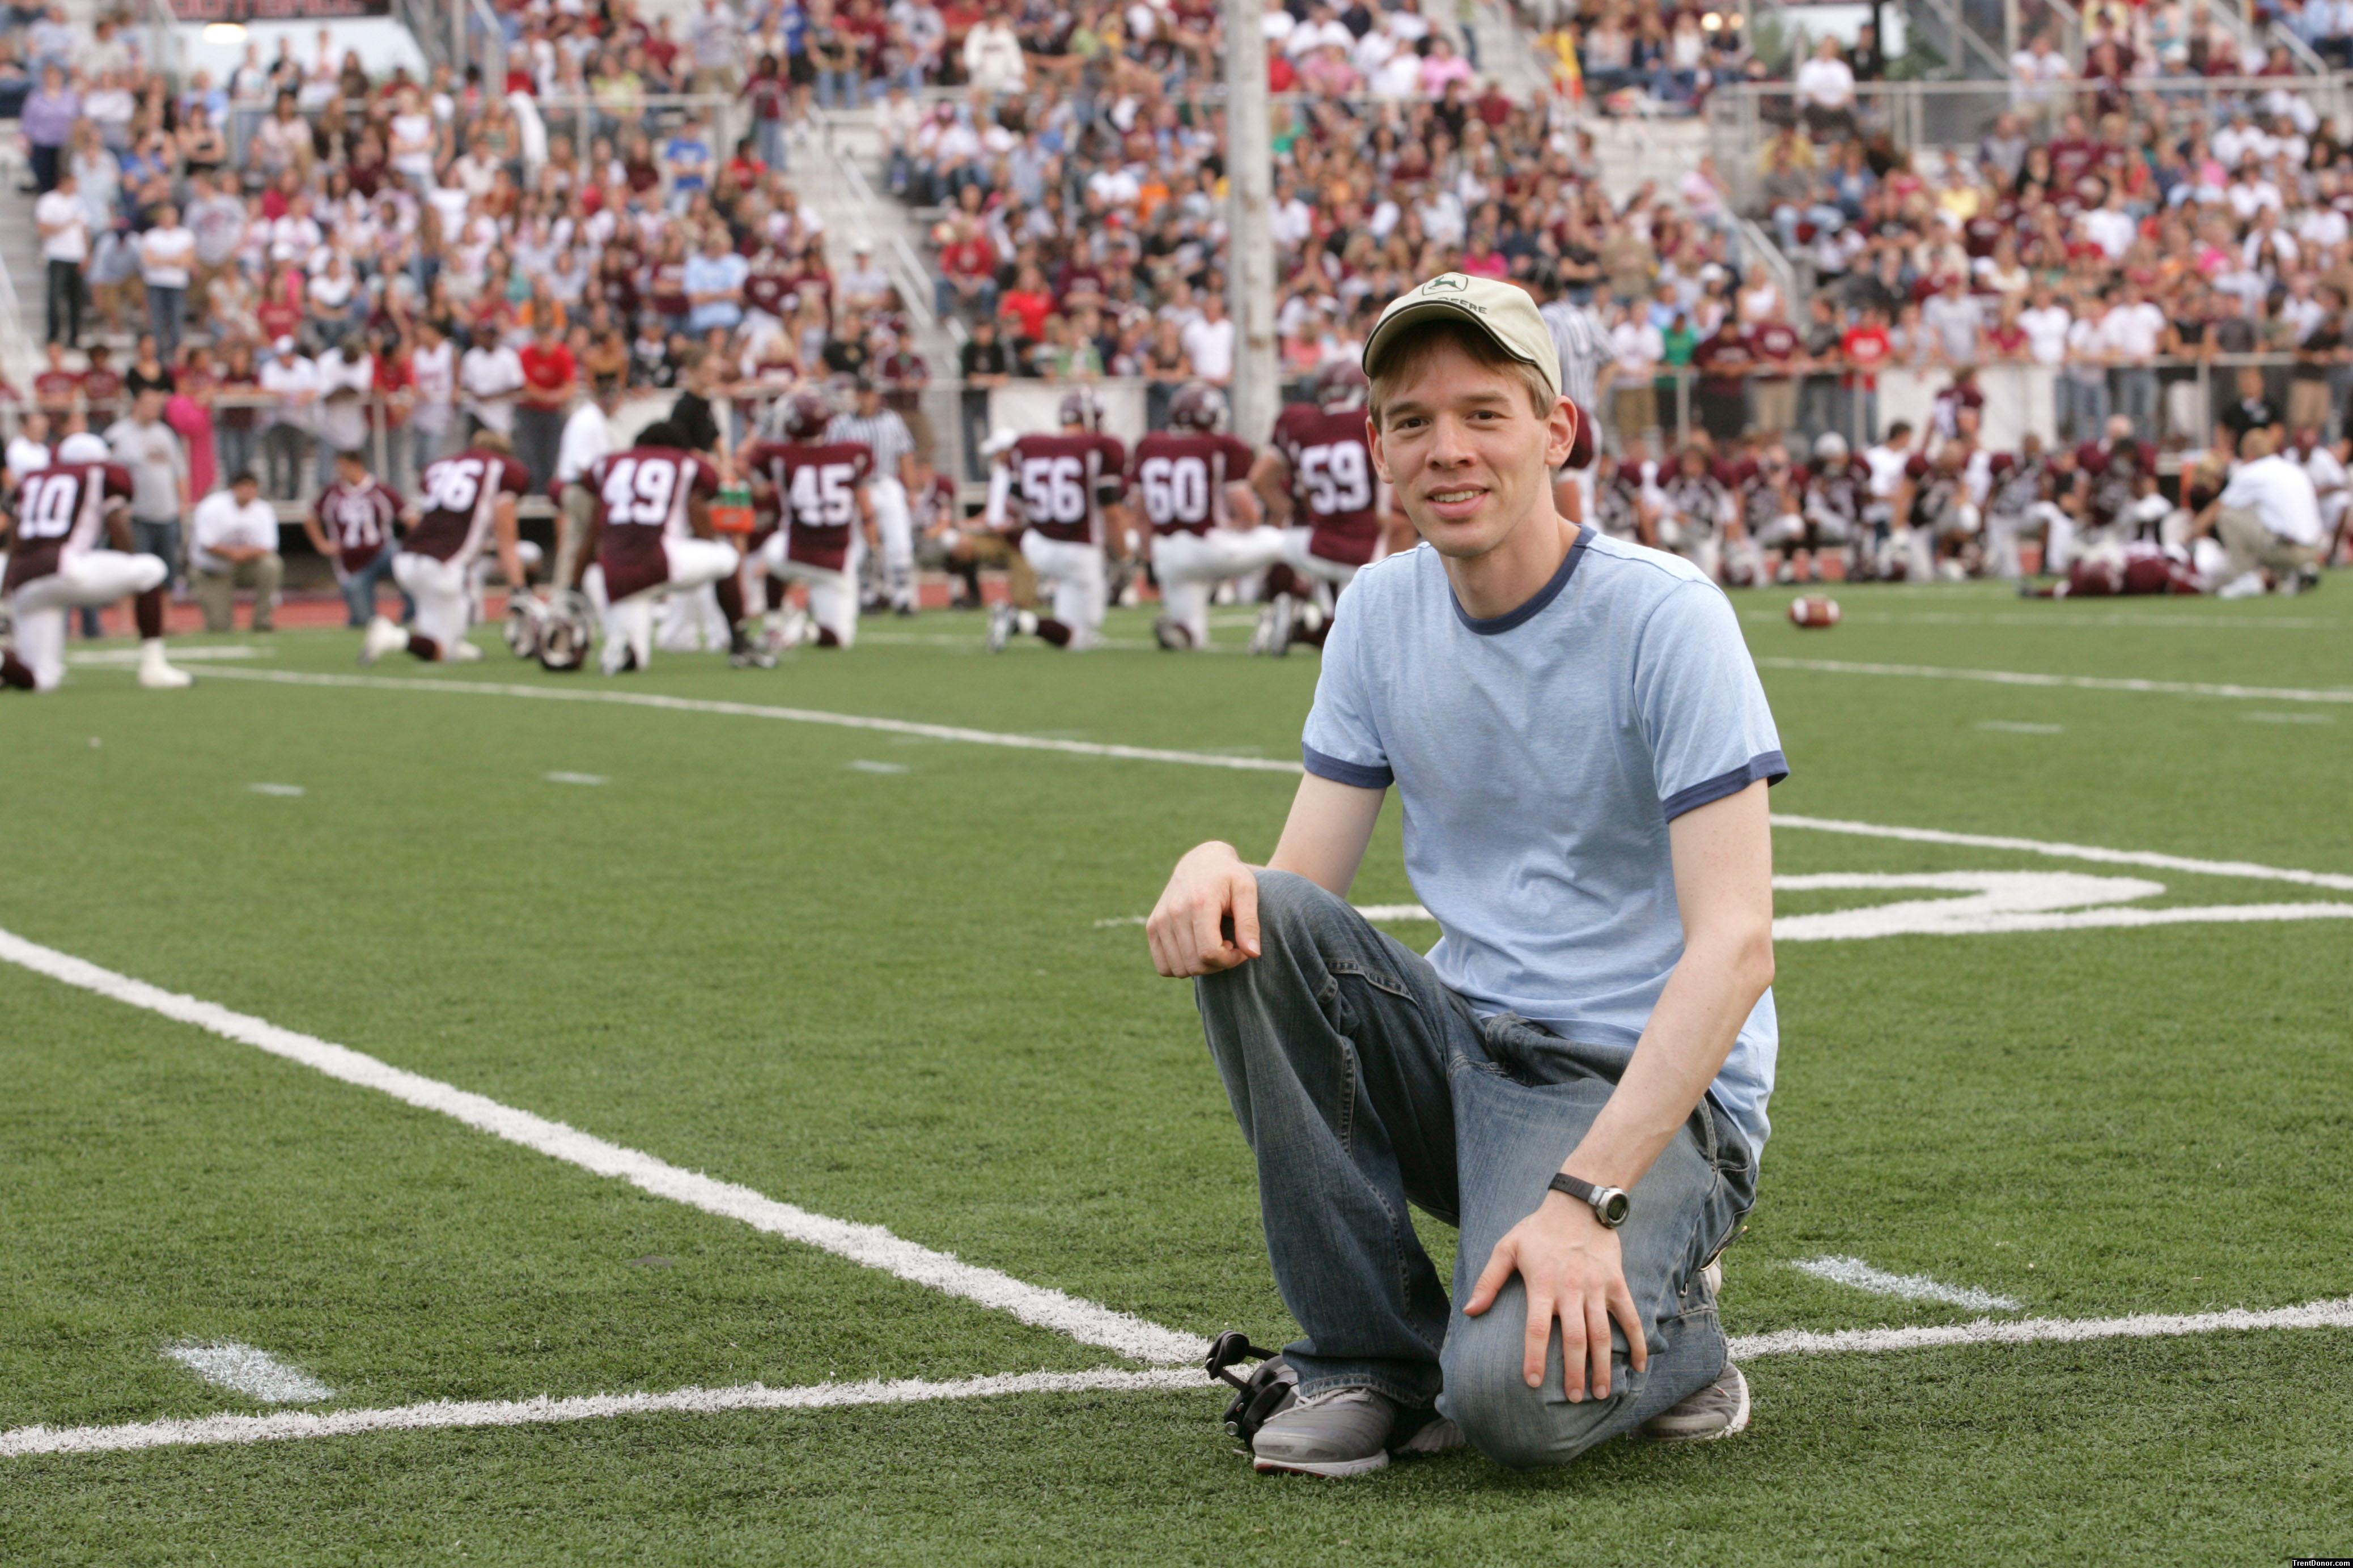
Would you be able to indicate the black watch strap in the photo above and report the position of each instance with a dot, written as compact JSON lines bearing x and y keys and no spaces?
{"x":1609,"y":1204}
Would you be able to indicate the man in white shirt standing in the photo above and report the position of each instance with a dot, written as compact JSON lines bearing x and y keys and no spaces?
{"x":64,"y":224}
{"x":2132,"y":330}
{"x":233,"y":544}
{"x":489,"y":376}
{"x":158,"y":464}
{"x":1209,"y":341}
{"x":433,"y":375}
{"x":293,"y":381}
{"x":167,"y":258}
{"x":588,"y":435}
{"x":2268,"y":519}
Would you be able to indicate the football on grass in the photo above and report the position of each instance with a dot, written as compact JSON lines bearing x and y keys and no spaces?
{"x":1814,"y":611}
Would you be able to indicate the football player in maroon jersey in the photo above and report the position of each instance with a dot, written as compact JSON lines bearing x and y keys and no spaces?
{"x":351,"y":524}
{"x":65,"y":516}
{"x":1193,"y":481}
{"x":1836,"y":492}
{"x":1696,"y":512}
{"x":1318,"y":473}
{"x":1067,"y":488}
{"x":468,"y":506}
{"x":824,"y":521}
{"x":649,"y":535}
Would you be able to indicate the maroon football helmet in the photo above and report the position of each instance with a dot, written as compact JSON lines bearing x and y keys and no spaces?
{"x":1341,"y":384}
{"x":1196,"y":406}
{"x":1081,"y":409}
{"x":806,"y":414}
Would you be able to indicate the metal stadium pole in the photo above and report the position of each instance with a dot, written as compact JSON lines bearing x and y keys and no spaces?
{"x":1249,"y":185}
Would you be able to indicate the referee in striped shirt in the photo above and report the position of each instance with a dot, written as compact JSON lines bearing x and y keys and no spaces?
{"x":1582,"y":343}
{"x":883,"y":432}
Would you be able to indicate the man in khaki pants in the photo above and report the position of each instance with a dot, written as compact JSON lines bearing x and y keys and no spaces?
{"x":2268,"y":519}
{"x":233,"y":544}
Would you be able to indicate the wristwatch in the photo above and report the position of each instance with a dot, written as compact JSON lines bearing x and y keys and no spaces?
{"x":1609,"y":1204}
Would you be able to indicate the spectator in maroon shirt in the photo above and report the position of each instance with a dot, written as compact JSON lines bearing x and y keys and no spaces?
{"x":967,"y":279}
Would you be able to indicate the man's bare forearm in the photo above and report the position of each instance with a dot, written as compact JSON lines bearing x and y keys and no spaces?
{"x":1692,"y":1030}
{"x":1723,"y":886}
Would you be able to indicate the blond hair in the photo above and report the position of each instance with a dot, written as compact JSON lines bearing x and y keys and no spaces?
{"x":1406,"y":348}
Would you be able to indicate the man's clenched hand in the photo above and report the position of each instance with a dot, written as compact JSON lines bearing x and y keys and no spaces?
{"x":1209,"y":887}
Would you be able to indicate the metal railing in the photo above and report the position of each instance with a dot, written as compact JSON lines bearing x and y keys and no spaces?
{"x":1932,"y":115}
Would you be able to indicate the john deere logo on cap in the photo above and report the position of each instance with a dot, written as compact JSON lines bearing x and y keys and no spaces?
{"x":1454,"y":281}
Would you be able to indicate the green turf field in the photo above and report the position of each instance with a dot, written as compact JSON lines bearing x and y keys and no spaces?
{"x":883,"y":975}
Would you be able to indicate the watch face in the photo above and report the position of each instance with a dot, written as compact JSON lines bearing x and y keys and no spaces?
{"x":1614,"y":1208}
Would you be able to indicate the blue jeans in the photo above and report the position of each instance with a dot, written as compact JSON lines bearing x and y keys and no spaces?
{"x":1363,"y":1085}
{"x":359,"y":590}
{"x":233,"y":450}
{"x":772,"y":143}
{"x":167,"y":316}
{"x":2136,"y":397}
{"x":2083,"y":407}
{"x":160,"y":539}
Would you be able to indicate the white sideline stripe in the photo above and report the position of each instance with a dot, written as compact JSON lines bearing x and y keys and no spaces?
{"x":1957,"y":618}
{"x":283,"y":791}
{"x":2330,"y":1314}
{"x":2289,"y":718}
{"x":250,"y":1371}
{"x":2018,"y":727}
{"x":128,"y":657}
{"x":2240,"y":868}
{"x":25,"y":1441}
{"x":757,"y":710}
{"x":2082,"y":682}
{"x":1214,"y":760}
{"x":1860,"y":1276}
{"x":869,"y":1244}
{"x":442,"y":1414}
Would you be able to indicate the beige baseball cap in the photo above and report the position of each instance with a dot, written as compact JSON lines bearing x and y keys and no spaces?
{"x":1502,"y":311}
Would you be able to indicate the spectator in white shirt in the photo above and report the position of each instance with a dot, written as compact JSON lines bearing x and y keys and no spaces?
{"x":1826,"y":91}
{"x":293,"y":381}
{"x":1635,"y":347}
{"x":1952,"y":314}
{"x":588,"y":435}
{"x":233,"y":544}
{"x":992,"y":58}
{"x":64,"y":223}
{"x":1209,"y":340}
{"x":433,"y":382}
{"x":2110,"y":227}
{"x":489,"y":376}
{"x":2132,"y":330}
{"x":168,"y":257}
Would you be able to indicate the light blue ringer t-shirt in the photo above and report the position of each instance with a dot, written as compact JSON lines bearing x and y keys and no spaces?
{"x":1539,"y":757}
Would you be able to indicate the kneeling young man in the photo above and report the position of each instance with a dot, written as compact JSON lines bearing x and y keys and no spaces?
{"x":1576,"y":1075}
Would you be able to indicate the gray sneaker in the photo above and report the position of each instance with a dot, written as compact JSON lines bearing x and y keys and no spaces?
{"x":1340,"y":1432}
{"x":1719,"y":1410}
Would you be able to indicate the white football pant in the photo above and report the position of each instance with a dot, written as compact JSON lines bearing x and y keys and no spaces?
{"x":1191,"y":566}
{"x":895,"y":525}
{"x":832,"y":596}
{"x":1077,"y":571}
{"x":442,"y":593}
{"x":82,"y":577}
{"x":630,"y":623}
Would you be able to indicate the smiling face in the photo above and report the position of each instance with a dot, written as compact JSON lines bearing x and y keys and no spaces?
{"x":1457,"y":435}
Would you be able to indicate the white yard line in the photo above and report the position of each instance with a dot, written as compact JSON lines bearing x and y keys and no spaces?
{"x":2081,"y":682}
{"x":758,"y":710}
{"x":868,"y":1245}
{"x":222,"y":1430}
{"x":128,"y":657}
{"x":1858,"y":1275}
{"x":217,"y":1429}
{"x":2331,"y":1314}
{"x":2245,"y":870}
{"x":250,"y":1371}
{"x":2061,"y":618}
{"x":1211,"y":760}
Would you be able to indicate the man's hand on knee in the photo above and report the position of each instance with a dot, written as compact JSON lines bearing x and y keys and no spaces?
{"x":1188,"y":929}
{"x":1569,"y":1263}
